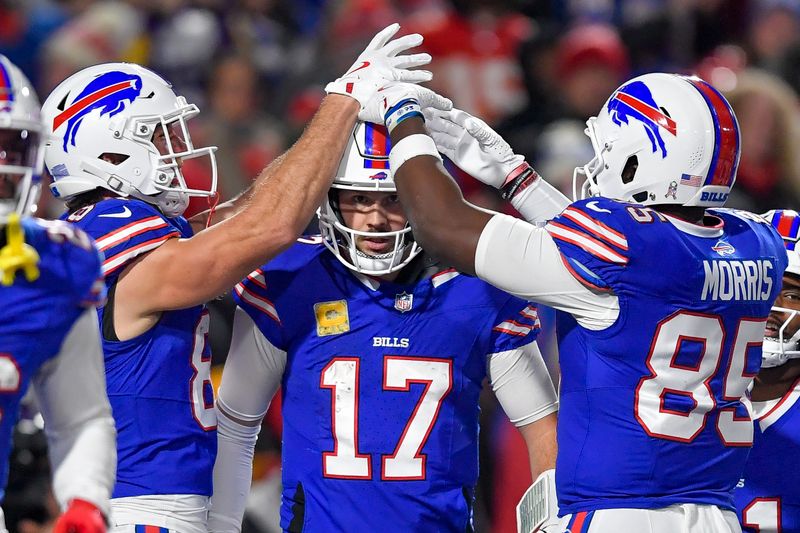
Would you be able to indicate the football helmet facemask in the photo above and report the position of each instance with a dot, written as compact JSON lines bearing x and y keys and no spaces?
{"x":778,"y":350}
{"x":662,"y":139}
{"x":21,"y":143}
{"x":120,"y":127}
{"x":364,"y":167}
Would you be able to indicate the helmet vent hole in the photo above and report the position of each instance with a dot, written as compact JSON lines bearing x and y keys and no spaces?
{"x":114,"y":159}
{"x":629,"y":171}
{"x":665,"y":112}
{"x":695,"y":157}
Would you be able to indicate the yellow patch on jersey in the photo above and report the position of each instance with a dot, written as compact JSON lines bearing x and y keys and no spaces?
{"x":332,"y":318}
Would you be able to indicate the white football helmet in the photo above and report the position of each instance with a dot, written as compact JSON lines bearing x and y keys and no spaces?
{"x":777,"y":351}
{"x":364,"y":167}
{"x":21,"y":143}
{"x":118,"y":110}
{"x":663,"y":139}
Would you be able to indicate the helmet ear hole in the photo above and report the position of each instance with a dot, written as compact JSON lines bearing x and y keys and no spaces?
{"x":629,"y":171}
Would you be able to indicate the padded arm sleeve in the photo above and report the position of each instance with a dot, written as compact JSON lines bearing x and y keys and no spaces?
{"x":71,"y":390}
{"x":252,"y":375}
{"x":522,"y":259}
{"x":522,"y":384}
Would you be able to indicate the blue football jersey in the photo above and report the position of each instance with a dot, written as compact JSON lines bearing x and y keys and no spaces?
{"x":159,"y":382}
{"x":768,"y":495}
{"x":651,"y":408}
{"x":36,"y":316}
{"x":380,"y":391}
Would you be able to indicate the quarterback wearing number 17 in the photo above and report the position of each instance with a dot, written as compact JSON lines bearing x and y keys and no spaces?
{"x":663,"y":295}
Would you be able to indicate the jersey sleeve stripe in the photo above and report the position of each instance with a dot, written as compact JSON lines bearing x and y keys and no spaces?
{"x":116,"y":261}
{"x":597,"y":228}
{"x":128,"y":231}
{"x":530,"y":313}
{"x":257,"y":277}
{"x":511,"y":330}
{"x":587,"y":243}
{"x":513,"y":327}
{"x":259,"y":302}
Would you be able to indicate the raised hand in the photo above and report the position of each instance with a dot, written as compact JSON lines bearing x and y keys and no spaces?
{"x":397,"y":101}
{"x":380,"y":64}
{"x":472,"y":145}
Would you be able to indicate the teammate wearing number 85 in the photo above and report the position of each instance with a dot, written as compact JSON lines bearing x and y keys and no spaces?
{"x":767,"y":496}
{"x":381,"y":353}
{"x":662,"y":295}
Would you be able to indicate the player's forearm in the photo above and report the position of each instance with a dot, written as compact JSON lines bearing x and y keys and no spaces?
{"x":85,"y":463}
{"x":444,"y":224}
{"x":227,"y":209}
{"x":233,"y":470}
{"x":540,"y":439}
{"x":286,"y":196}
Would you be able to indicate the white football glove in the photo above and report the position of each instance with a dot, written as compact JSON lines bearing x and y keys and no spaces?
{"x":472,"y":145}
{"x":537,"y":510}
{"x":392,"y":94}
{"x":379,"y":64}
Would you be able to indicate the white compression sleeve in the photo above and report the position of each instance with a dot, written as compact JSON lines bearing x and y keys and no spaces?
{"x":522,"y":385}
{"x":540,"y":202}
{"x":522,"y":259}
{"x":71,"y":390}
{"x":252,"y":375}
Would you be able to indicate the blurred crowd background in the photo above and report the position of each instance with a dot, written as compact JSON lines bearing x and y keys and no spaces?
{"x":533,"y":69}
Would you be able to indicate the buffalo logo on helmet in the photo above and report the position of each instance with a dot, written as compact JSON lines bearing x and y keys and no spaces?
{"x":110,"y":92}
{"x":635,"y":101}
{"x":380,"y":176}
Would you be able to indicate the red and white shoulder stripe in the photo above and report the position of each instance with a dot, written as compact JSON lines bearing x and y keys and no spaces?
{"x":252,"y":297}
{"x":119,"y":260}
{"x":119,"y":235}
{"x":521,"y":327}
{"x":591,"y":235}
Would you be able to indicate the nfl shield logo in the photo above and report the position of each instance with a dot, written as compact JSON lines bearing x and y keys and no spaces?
{"x":404,"y":302}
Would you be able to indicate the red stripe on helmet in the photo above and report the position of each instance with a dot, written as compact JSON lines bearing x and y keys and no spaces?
{"x":88,"y":100}
{"x":650,"y":112}
{"x":723,"y":166}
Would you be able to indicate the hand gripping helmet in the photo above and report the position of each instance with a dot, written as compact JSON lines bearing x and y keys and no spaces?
{"x":21,"y":142}
{"x":663,"y":139}
{"x":776,"y":352}
{"x":104,"y":121}
{"x":364,"y":167}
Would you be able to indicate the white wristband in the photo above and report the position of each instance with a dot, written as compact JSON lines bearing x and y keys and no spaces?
{"x":410,"y":147}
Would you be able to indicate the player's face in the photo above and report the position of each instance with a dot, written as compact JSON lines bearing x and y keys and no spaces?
{"x":175,"y":138}
{"x":789,"y":298}
{"x":373,"y":212}
{"x":17,"y":148}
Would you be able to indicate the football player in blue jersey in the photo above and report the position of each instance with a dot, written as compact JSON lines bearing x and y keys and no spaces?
{"x":380,"y":352}
{"x":50,"y":282}
{"x":119,"y":138}
{"x":662,"y":295}
{"x":767,"y":498}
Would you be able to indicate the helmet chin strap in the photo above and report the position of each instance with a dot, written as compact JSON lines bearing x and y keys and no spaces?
{"x":376,"y":263}
{"x":172,"y":204}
